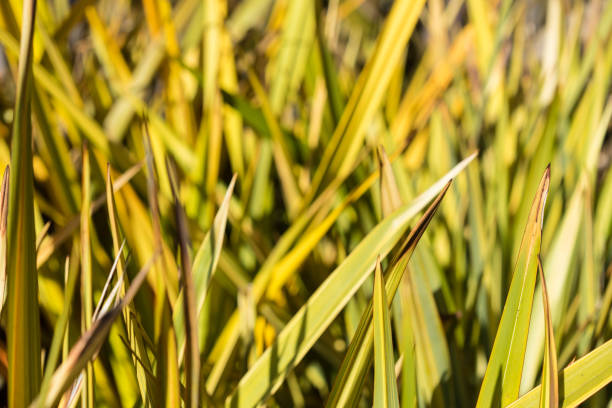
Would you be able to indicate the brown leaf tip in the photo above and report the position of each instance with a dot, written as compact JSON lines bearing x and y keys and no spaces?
{"x":4,"y":192}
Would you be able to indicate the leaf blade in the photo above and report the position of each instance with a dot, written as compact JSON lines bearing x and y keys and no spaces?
{"x":385,"y":387}
{"x":23,"y":331}
{"x":549,"y":397}
{"x":503,"y":375}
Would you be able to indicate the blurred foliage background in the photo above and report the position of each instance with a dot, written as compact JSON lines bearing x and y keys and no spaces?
{"x":300,"y":100}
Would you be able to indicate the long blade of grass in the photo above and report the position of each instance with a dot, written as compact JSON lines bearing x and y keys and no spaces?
{"x":503,"y":375}
{"x":558,"y":260}
{"x":204,"y":266}
{"x":86,"y":272}
{"x":192,"y":360}
{"x":409,"y":365}
{"x":61,"y":330}
{"x":4,"y":191}
{"x":549,"y":397}
{"x":23,"y":326}
{"x":289,"y":264}
{"x":165,"y":288}
{"x":385,"y":387}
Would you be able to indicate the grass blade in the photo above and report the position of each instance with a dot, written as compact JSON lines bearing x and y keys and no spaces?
{"x":23,"y":330}
{"x":86,"y":274}
{"x":192,"y":360}
{"x":408,"y":347}
{"x":385,"y":387}
{"x":549,"y":397}
{"x":503,"y":375}
{"x":60,"y":334}
{"x":204,"y":266}
{"x":4,"y":190}
{"x":558,"y":261}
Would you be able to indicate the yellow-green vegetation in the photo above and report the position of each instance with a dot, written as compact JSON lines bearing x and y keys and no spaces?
{"x":301,"y":203}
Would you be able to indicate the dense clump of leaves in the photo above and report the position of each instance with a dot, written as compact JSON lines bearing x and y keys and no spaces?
{"x":297,"y":203}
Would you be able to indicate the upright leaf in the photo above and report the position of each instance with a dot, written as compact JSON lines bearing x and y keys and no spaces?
{"x":134,"y":336}
{"x":549,"y":397}
{"x":408,"y":348}
{"x":3,"y":219}
{"x":86,"y":276}
{"x":385,"y":387}
{"x":60,"y":333}
{"x":503,"y":375}
{"x":192,"y":361}
{"x":23,"y":326}
{"x":204,"y":266}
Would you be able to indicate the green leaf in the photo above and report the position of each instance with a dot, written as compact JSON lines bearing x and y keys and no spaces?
{"x":23,"y":324}
{"x":408,"y":348}
{"x":134,"y":336}
{"x":4,"y":190}
{"x":385,"y":386}
{"x":86,"y":273}
{"x":204,"y":266}
{"x":503,"y":375}
{"x":549,"y":397}
{"x":557,"y":265}
{"x":188,"y":302}
{"x":60,"y":333}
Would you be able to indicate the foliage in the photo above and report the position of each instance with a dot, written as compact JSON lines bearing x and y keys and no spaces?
{"x":298,"y":203}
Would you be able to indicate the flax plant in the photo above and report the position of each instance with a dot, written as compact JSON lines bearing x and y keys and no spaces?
{"x":342,"y":203}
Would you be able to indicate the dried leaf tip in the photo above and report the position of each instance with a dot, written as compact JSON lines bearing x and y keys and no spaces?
{"x":544,"y":185}
{"x":381,"y":155}
{"x":4,"y":192}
